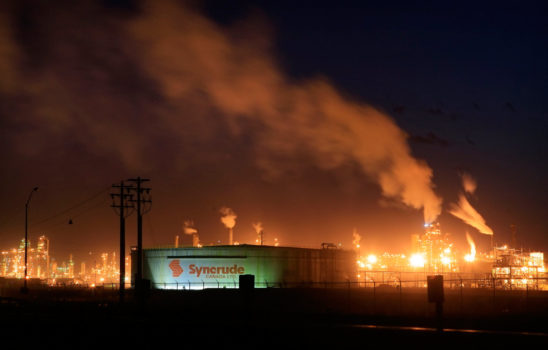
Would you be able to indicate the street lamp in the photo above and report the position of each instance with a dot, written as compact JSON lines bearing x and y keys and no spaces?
{"x":25,"y":289}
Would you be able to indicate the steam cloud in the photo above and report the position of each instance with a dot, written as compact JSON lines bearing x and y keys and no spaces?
{"x":466,"y":212}
{"x":258,"y":227}
{"x":186,"y":52}
{"x":190,"y":69}
{"x":228,"y":217}
{"x":469,"y":183}
{"x":188,"y":227}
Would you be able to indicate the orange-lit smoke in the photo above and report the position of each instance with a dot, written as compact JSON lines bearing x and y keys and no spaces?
{"x":188,"y":228}
{"x":466,"y":212}
{"x":468,"y":183}
{"x":232,"y":72}
{"x":228,"y":217}
{"x":258,"y":227}
{"x":472,"y":255}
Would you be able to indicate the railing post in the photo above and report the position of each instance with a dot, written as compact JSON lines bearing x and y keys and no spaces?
{"x":374,"y":298}
{"x":494,"y":283}
{"x":400,"y":297}
{"x":461,"y":286}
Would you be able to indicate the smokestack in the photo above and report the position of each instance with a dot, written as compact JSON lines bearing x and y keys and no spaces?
{"x":177,"y":241}
{"x":195,"y":240}
{"x":188,"y":229}
{"x":228,"y":219}
{"x":259,"y":231}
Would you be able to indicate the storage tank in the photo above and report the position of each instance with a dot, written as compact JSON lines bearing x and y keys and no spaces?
{"x":220,"y":266}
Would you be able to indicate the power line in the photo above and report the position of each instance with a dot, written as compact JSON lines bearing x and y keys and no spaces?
{"x":72,"y":207}
{"x":63,"y":221}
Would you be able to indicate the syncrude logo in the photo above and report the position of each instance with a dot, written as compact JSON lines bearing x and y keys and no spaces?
{"x":206,"y":271}
{"x":176,"y":268}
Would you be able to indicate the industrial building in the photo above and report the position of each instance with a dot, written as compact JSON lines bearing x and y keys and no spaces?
{"x":221,"y":266}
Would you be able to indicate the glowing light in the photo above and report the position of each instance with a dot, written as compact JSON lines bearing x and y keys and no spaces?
{"x":372,"y":259}
{"x":472,"y":256}
{"x":417,"y":260}
{"x":446,"y":260}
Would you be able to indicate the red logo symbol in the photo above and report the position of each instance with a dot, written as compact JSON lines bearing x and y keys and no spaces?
{"x":176,"y":268}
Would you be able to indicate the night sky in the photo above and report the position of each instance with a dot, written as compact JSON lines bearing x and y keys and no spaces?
{"x":311,"y":119}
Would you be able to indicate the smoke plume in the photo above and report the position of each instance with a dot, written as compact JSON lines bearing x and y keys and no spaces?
{"x":466,"y":212}
{"x":181,"y":78}
{"x":468,"y":183}
{"x":228,"y":217}
{"x":188,"y":227}
{"x":258,"y":227}
{"x":235,"y":73}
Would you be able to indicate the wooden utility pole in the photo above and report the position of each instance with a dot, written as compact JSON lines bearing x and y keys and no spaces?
{"x":123,"y":203}
{"x":143,"y":198}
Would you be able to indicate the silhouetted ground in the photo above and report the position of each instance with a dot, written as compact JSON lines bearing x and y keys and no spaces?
{"x":341,"y":318}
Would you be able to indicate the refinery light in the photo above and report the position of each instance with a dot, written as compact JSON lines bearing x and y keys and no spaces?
{"x":416,"y":260}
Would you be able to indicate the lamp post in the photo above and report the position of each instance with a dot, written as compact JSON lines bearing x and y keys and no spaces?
{"x":25,"y":289}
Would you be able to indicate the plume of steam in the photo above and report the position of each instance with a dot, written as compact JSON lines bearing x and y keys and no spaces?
{"x":228,"y":219}
{"x":468,"y":183}
{"x":258,"y":227}
{"x":472,"y":255}
{"x":466,"y":212}
{"x":185,"y":52}
{"x":168,"y":59}
{"x":188,"y":229}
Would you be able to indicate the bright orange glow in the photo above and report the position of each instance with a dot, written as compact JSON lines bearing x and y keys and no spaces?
{"x":417,"y":260}
{"x":472,"y":255}
{"x":372,"y":259}
{"x":445,"y":260}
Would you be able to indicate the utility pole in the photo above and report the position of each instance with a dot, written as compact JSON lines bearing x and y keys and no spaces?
{"x":122,"y":204}
{"x":143,"y":197}
{"x":25,"y":289}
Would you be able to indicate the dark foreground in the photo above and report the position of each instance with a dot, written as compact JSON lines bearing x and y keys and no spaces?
{"x":271,"y":317}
